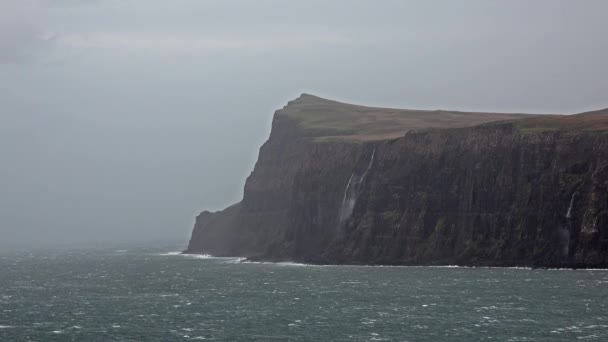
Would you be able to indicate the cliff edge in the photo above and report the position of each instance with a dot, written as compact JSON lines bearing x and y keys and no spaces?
{"x":340,"y":183}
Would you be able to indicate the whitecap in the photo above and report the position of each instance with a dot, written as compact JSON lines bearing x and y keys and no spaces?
{"x":368,"y":321}
{"x":235,"y":260}
{"x":170,"y":295}
{"x":5,"y":326}
{"x":280,"y":263}
{"x":588,"y":337}
{"x":484,"y":308}
{"x":171,"y":253}
{"x":199,"y":256}
{"x":287,"y":263}
{"x":192,"y":256}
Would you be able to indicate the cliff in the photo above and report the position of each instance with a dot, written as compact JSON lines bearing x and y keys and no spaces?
{"x":339,"y":183}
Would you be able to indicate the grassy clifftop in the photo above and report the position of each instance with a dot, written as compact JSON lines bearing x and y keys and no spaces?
{"x":325,"y":119}
{"x":595,"y":121}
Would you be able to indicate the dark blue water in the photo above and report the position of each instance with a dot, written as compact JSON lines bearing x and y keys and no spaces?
{"x":143,"y":295}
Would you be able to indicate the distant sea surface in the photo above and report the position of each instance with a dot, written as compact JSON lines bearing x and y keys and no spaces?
{"x":149,"y":294}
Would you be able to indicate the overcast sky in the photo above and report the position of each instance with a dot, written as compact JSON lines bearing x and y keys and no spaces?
{"x":122,"y":119}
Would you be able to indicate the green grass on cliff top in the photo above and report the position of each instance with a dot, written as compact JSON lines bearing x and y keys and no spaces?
{"x":331,"y":120}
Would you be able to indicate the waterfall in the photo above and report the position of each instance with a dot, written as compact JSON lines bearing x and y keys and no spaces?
{"x":347,"y":187}
{"x":569,"y":212}
{"x":371,"y":162}
{"x":351,"y":191}
{"x":563,"y":232}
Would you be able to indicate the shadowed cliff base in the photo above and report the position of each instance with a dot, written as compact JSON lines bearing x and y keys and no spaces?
{"x":343,"y":184}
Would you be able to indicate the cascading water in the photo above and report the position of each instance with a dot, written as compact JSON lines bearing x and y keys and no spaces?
{"x":348,"y":201}
{"x":351,"y":191}
{"x":371,"y":162}
{"x":347,"y":187}
{"x":569,"y":212}
{"x":564,"y":231}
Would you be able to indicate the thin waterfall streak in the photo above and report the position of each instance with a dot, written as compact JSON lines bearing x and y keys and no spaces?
{"x":569,"y":212}
{"x":347,"y":187}
{"x":371,"y":162}
{"x":350,"y":193}
{"x":564,"y":231}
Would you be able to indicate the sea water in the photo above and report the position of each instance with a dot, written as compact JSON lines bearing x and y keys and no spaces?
{"x":155,"y":295}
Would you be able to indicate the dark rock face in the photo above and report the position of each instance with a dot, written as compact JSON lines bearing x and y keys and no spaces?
{"x":493,"y":194}
{"x":487,"y":195}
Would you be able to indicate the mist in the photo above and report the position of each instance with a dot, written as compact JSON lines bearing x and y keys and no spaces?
{"x":122,"y":120}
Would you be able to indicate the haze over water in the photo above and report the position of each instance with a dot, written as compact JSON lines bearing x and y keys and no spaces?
{"x":149,"y":294}
{"x":122,"y":120}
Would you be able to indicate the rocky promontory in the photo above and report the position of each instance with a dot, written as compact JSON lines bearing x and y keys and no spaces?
{"x":343,"y":184}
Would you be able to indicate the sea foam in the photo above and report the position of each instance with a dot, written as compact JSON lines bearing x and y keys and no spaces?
{"x":190,"y":256}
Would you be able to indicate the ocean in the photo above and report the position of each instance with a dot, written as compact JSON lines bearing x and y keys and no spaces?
{"x":153,"y":294}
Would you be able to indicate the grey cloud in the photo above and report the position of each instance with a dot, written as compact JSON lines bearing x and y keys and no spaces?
{"x":22,"y":38}
{"x":71,"y":2}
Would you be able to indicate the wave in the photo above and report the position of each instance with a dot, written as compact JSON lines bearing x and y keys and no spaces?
{"x":171,"y":253}
{"x":280,"y":263}
{"x":197,"y":256}
{"x":239,"y":260}
{"x":522,"y":268}
{"x":286,"y":263}
{"x":235,"y":260}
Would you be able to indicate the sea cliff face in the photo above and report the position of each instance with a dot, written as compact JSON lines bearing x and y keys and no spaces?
{"x":519,"y":191}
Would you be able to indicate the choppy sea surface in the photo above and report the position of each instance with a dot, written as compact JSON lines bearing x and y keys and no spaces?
{"x":149,"y":294}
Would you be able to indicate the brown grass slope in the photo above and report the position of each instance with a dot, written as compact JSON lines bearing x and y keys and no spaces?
{"x":595,"y":121}
{"x":325,"y":119}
